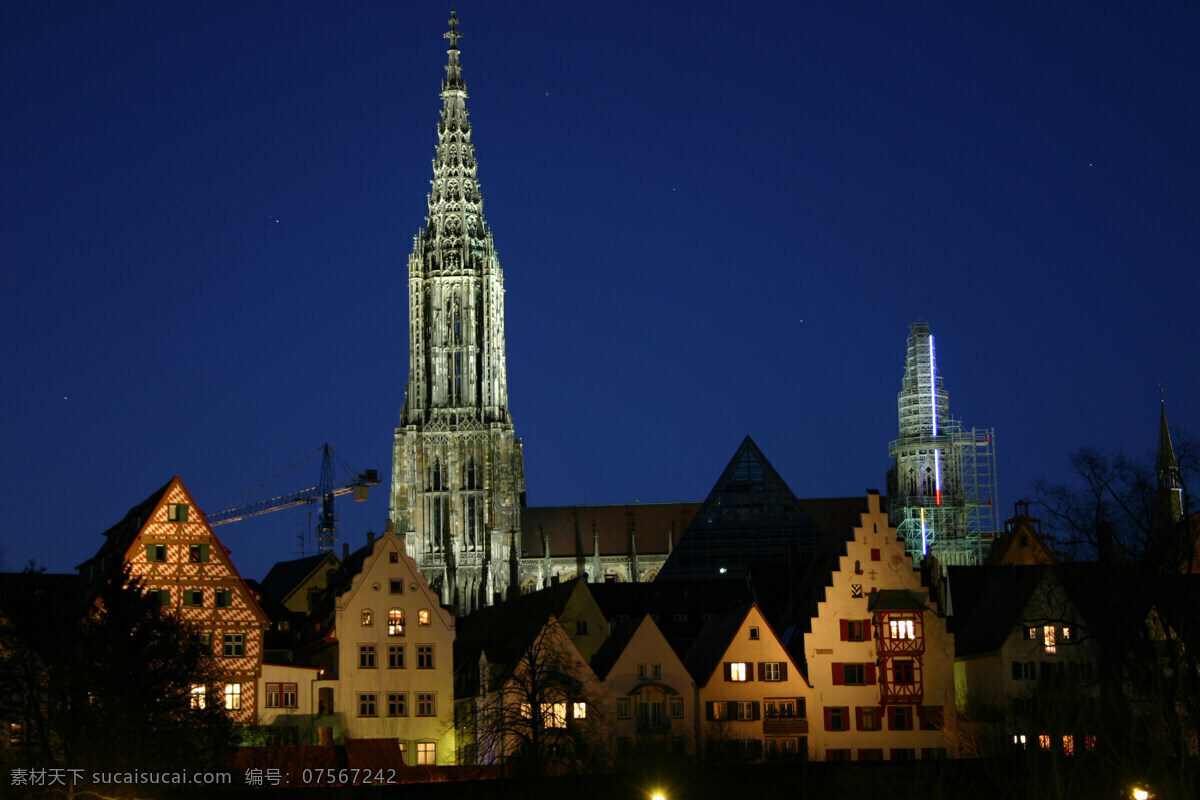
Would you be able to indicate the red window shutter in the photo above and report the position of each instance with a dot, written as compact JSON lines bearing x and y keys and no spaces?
{"x":868,"y":629}
{"x":870,"y":674}
{"x":845,"y":630}
{"x":828,"y":719}
{"x":874,"y":553}
{"x":839,"y":674}
{"x":858,"y":720}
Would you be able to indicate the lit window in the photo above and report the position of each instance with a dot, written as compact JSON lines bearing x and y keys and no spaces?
{"x":234,"y":645}
{"x":525,"y":710}
{"x":718,"y":710}
{"x":423,"y":616}
{"x":902,"y":629}
{"x":177,"y":512}
{"x":395,"y":656}
{"x":198,"y":693}
{"x":366,"y":656}
{"x":1066,"y":633}
{"x":1089,"y":742}
{"x":1044,"y":741}
{"x":397,"y":704}
{"x":368,"y":618}
{"x":579,"y":710}
{"x":772,"y":671}
{"x":558,"y":716}
{"x":198,"y":553}
{"x":623,"y":708}
{"x":424,"y":656}
{"x":404,"y":753}
{"x":396,"y":622}
{"x":1068,"y":745}
{"x":868,"y":718}
{"x":737,"y":671}
{"x":366,"y":704}
{"x":233,"y":696}
{"x":426,"y":752}
{"x":1048,"y":637}
{"x":426,"y":704}
{"x":16,"y":733}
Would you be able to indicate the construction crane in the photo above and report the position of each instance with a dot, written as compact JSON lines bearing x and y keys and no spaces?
{"x":324,"y":493}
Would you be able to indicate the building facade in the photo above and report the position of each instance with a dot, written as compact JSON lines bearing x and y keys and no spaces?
{"x":458,"y":478}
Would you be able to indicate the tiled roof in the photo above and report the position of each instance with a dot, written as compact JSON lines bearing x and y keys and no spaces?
{"x":284,"y":576}
{"x":573,"y":529}
{"x":702,"y":659}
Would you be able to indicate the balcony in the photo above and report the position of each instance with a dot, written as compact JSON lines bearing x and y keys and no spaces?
{"x":785,"y":726}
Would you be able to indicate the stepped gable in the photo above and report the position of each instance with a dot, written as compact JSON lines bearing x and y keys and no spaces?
{"x":750,"y":516}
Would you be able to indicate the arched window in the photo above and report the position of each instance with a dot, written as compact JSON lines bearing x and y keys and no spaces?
{"x":435,"y":480}
{"x":471,"y":476}
{"x":396,"y":622}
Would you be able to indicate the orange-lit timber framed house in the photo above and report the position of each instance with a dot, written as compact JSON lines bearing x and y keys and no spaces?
{"x":169,"y":548}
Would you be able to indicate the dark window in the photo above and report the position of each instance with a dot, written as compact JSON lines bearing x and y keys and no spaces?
{"x":366,"y":656}
{"x":424,"y":656}
{"x":426,"y":704}
{"x":874,"y":553}
{"x":234,"y":645}
{"x":837,"y":718}
{"x":900,"y":718}
{"x":393,"y":557}
{"x":581,"y":627}
{"x":903,"y":672}
{"x":366,"y":704}
{"x":224,"y":598}
{"x":156,"y":553}
{"x":193,"y":597}
{"x":396,"y":586}
{"x":395,"y":656}
{"x":397,"y":704}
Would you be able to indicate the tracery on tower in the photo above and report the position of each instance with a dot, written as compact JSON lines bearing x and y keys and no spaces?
{"x":942,"y":485}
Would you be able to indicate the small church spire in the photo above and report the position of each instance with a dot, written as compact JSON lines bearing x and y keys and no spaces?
{"x":1170,"y":488}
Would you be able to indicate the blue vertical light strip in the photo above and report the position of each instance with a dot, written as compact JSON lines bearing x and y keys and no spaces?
{"x":937,"y":454}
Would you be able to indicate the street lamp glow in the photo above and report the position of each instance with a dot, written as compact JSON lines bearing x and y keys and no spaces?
{"x":658,"y":795}
{"x":1140,"y":794}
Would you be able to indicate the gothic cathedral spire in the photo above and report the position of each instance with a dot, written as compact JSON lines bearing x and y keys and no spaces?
{"x":457,"y":471}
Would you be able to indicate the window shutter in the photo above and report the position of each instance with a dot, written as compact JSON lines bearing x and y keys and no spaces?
{"x":731,"y":710}
{"x":828,"y":719}
{"x":708,"y":711}
{"x":754,"y":711}
{"x":845,"y":630}
{"x":762,"y":670}
{"x":783,"y":670}
{"x":870,"y":674}
{"x":1016,"y":670}
{"x":858,"y":720}
{"x":204,"y":552}
{"x":839,"y":674}
{"x":868,"y":630}
{"x":149,"y":552}
{"x":728,"y":670}
{"x":750,"y":671}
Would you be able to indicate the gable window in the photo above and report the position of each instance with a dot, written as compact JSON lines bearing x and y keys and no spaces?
{"x":753,"y":631}
{"x":224,"y":598}
{"x":578,"y":710}
{"x":423,"y":617}
{"x":855,"y":630}
{"x":396,"y":622}
{"x":737,"y":671}
{"x":397,"y":704}
{"x":424,"y":656}
{"x":426,"y":704}
{"x":156,"y":553}
{"x":581,"y":627}
{"x":198,"y":553}
{"x":624,"y":708}
{"x":368,"y":617}
{"x":234,"y":645}
{"x":366,"y":656}
{"x":874,"y":553}
{"x":395,"y":656}
{"x":366,"y":704}
{"x":193,"y":597}
{"x":641,"y":672}
{"x":771,"y":671}
{"x":395,"y":586}
{"x":233,"y":697}
{"x":1066,"y":633}
{"x":393,"y":557}
{"x":656,"y":672}
{"x":177,"y":512}
{"x":1048,"y":637}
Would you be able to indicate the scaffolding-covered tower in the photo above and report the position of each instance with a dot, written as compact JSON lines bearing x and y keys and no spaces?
{"x":942,"y":484}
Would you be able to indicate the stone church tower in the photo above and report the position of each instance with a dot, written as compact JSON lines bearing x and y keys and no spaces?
{"x":458,"y":479}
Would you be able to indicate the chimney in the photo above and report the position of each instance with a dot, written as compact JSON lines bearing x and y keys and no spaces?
{"x":370,"y":542}
{"x":345,"y":551}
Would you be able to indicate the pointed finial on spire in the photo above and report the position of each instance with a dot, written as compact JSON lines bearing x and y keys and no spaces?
{"x":453,"y":35}
{"x":1166,"y":451}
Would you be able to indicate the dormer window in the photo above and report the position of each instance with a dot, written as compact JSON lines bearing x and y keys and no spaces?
{"x":177,"y":512}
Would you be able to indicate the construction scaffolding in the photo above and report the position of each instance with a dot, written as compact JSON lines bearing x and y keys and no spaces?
{"x":942,"y":487}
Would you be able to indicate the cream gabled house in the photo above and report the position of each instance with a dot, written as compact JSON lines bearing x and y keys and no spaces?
{"x":878,"y":655}
{"x":383,"y":645}
{"x":651,"y":698}
{"x":752,"y":700}
{"x":167,"y":545}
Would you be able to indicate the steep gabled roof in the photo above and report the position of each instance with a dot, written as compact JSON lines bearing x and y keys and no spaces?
{"x":120,"y":537}
{"x":606,"y":657}
{"x":714,"y":639}
{"x":285,"y":576}
{"x":573,"y":530}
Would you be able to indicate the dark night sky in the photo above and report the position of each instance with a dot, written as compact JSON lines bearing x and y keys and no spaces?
{"x":714,"y":219}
